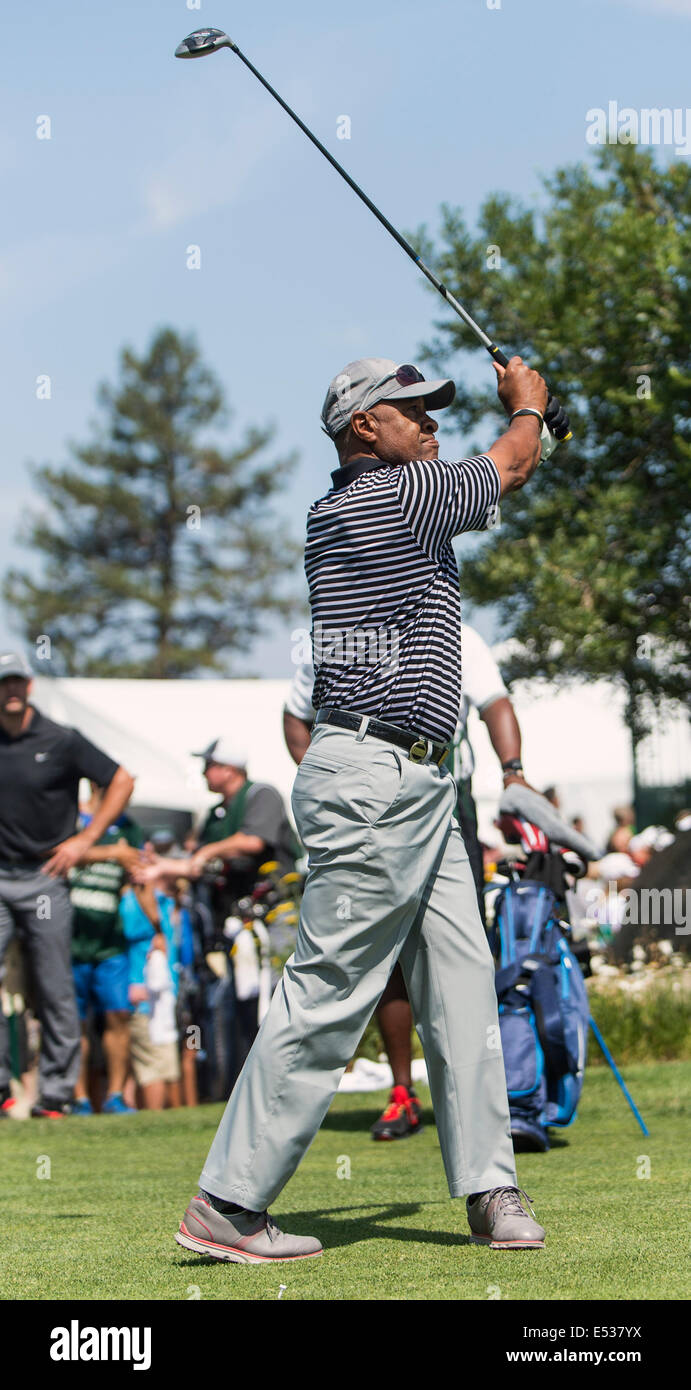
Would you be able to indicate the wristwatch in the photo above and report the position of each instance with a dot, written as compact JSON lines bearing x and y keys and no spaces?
{"x":512,"y":765}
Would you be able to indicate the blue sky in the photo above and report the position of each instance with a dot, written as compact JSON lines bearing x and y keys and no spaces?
{"x":147,"y":155}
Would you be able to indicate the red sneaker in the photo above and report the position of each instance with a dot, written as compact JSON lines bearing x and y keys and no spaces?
{"x":49,"y":1110}
{"x":401,"y":1117}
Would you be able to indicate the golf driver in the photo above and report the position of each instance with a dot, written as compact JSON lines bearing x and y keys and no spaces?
{"x":204,"y":41}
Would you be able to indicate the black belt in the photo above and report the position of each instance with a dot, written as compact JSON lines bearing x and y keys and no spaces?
{"x":419,"y":749}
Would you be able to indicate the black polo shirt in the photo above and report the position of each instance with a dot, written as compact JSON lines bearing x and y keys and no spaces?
{"x":39,"y":786}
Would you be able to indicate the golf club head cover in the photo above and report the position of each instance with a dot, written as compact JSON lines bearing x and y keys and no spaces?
{"x":529,"y":805}
{"x":556,"y":427}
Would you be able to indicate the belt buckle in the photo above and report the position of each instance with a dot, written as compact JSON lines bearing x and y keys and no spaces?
{"x":418,"y":752}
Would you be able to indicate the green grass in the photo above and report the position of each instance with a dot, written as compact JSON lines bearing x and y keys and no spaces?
{"x":101,"y":1226}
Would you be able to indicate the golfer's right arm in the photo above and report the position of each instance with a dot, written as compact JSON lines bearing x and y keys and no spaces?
{"x":517,"y":452}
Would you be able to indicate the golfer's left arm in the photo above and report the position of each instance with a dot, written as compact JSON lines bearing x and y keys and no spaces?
{"x":516,"y":453}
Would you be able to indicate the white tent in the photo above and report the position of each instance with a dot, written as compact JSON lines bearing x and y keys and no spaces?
{"x":574,"y":738}
{"x":153,"y":728}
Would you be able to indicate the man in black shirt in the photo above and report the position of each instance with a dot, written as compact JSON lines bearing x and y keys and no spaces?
{"x":41,"y":764}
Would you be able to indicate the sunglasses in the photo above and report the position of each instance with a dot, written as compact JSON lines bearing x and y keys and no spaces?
{"x":408,"y":375}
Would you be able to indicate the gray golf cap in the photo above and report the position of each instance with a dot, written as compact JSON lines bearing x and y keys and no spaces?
{"x":364,"y":383}
{"x":15,"y":664}
{"x":224,"y":751}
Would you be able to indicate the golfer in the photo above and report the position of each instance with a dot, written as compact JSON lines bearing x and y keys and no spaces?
{"x":389,"y":877}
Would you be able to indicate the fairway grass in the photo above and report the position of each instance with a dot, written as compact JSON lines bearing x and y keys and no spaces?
{"x":101,"y":1225}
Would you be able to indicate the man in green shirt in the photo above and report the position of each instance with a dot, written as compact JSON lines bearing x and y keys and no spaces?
{"x":99,"y":959}
{"x":248,"y":826}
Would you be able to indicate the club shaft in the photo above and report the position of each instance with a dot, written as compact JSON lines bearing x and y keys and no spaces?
{"x":474,"y":327}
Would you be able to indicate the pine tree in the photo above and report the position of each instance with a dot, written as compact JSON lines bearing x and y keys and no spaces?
{"x":160,"y":552}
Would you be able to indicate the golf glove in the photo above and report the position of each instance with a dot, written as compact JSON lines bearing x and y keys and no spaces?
{"x":556,"y":426}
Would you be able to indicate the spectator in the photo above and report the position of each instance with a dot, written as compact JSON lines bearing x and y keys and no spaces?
{"x":617,"y":872}
{"x":153,"y":960}
{"x":551,"y":794}
{"x":189,"y":994}
{"x":648,"y":842}
{"x":162,"y":841}
{"x":618,"y":842}
{"x":578,"y":824}
{"x":99,"y":953}
{"x":246,"y":827}
{"x":41,"y":764}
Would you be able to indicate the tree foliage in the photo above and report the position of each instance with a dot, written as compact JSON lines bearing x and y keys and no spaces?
{"x":161,"y":556}
{"x":590,"y":564}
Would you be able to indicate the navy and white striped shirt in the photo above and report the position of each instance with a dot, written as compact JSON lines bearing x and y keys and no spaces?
{"x":384,"y":592}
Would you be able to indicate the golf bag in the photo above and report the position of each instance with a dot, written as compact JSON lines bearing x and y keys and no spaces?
{"x":543,"y":1012}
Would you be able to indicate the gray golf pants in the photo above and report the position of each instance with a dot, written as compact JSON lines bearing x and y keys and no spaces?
{"x":388,"y":878}
{"x":38,"y":909}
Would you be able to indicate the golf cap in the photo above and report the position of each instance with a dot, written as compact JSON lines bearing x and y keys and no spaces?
{"x":364,"y":383}
{"x":15,"y":664}
{"x":224,"y":751}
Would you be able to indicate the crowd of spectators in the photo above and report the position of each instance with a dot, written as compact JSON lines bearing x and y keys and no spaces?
{"x":119,"y":988}
{"x":129,"y":978}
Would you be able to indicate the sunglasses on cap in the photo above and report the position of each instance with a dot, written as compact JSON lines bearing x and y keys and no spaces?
{"x":407,"y":375}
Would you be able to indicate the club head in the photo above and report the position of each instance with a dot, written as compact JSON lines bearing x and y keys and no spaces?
{"x":201,"y":42}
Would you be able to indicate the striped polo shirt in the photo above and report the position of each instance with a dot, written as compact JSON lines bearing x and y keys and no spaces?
{"x":383,"y":583}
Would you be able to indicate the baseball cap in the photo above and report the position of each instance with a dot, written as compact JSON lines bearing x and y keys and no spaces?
{"x":369,"y":380}
{"x":224,"y":751}
{"x":15,"y":664}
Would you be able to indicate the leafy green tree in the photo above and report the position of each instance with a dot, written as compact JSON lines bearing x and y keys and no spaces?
{"x":590,"y":564}
{"x":160,"y":552}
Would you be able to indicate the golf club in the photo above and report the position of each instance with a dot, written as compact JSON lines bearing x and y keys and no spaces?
{"x":204,"y":41}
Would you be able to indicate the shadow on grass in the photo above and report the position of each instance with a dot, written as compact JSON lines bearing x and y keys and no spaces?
{"x":528,"y":1150}
{"x":352,"y":1230}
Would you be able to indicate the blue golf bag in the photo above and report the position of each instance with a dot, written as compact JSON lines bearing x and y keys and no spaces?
{"x":543,"y":1012}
